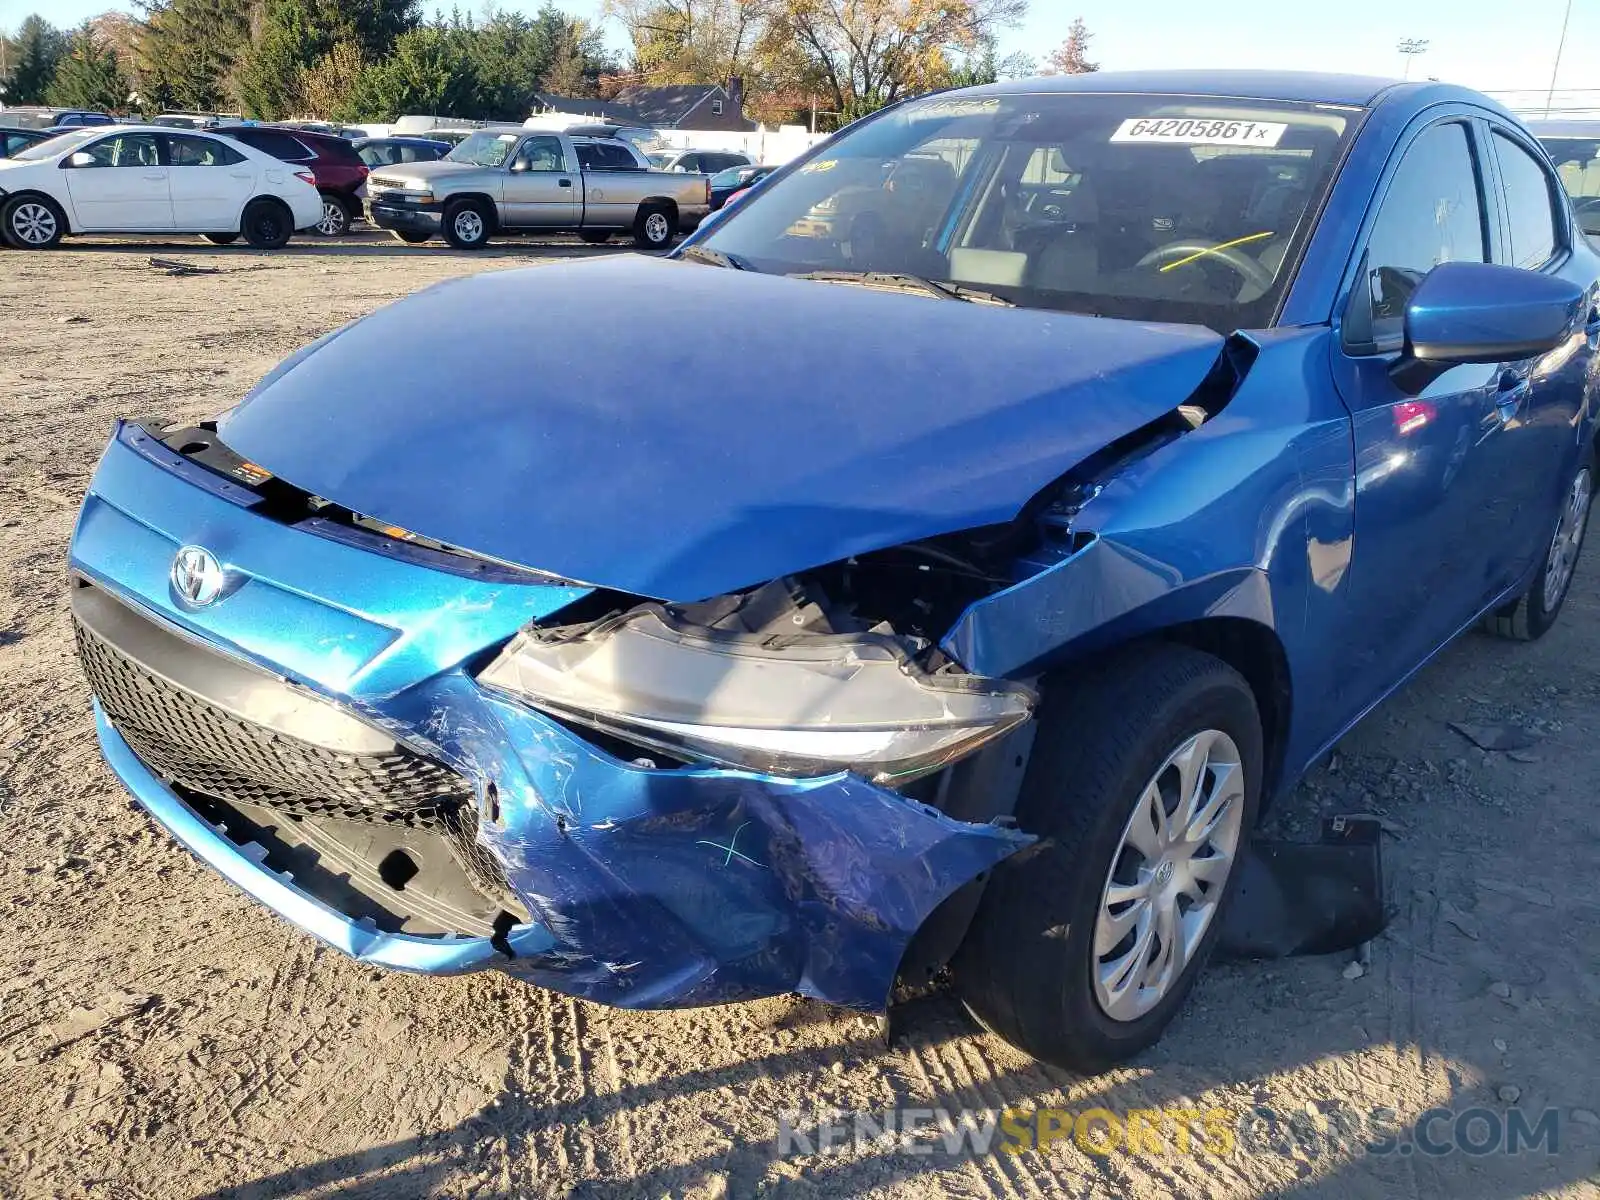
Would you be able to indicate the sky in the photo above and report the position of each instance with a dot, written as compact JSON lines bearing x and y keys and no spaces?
{"x":1486,"y":44}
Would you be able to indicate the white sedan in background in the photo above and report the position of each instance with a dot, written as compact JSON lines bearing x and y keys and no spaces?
{"x":128,"y":179}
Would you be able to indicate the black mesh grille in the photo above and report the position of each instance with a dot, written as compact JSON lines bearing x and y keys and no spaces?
{"x":203,"y":747}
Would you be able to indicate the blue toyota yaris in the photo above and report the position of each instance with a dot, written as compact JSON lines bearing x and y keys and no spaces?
{"x":1120,"y":441}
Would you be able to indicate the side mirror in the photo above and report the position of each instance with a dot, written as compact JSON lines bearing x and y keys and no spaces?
{"x":1482,"y":313}
{"x":81,"y":158}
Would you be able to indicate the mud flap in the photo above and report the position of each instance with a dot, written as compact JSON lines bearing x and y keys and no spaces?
{"x":1308,"y":897}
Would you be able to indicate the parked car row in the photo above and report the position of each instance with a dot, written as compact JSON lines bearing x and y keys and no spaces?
{"x":497,"y":181}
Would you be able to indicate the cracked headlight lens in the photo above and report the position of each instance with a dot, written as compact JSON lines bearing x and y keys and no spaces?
{"x":796,"y":704}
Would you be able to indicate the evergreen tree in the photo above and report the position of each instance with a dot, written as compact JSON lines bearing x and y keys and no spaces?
{"x":186,"y":51}
{"x":38,"y":47}
{"x":88,"y":75}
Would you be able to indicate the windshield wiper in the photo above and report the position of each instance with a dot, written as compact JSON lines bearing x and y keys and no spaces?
{"x":910,"y":283}
{"x":717,"y":258}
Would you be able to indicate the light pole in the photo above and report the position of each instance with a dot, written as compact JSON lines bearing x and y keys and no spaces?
{"x":1550,"y":96}
{"x":1410,"y":48}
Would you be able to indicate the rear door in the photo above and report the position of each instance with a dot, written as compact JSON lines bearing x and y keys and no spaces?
{"x":118,"y":184}
{"x":210,"y":182}
{"x":1543,"y":430}
{"x":542,"y":189}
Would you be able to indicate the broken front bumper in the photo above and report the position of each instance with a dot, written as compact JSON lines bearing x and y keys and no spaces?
{"x":640,"y":887}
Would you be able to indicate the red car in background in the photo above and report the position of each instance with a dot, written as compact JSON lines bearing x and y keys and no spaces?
{"x":332,"y":161}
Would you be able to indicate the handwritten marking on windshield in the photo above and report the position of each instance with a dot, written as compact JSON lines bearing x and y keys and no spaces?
{"x":1254,"y":237}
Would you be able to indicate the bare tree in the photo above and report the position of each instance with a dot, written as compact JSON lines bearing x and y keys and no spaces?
{"x":1071,"y":57}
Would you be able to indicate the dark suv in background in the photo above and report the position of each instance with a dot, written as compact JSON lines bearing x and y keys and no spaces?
{"x":332,"y":161}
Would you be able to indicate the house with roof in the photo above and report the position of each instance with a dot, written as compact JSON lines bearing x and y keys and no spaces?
{"x":687,"y":106}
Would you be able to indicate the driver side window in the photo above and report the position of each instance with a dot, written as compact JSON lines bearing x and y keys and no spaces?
{"x":1432,"y":214}
{"x":125,"y":150}
{"x":542,"y":154}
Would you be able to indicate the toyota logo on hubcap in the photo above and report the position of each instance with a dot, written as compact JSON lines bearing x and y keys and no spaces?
{"x":197,"y":575}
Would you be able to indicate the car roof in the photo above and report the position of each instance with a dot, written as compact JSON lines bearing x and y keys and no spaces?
{"x":1310,"y":87}
{"x":410,"y":139}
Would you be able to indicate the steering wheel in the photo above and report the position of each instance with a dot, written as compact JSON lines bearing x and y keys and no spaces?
{"x":1252,"y":271}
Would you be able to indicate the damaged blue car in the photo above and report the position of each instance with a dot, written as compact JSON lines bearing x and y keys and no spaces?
{"x":1117,"y":442}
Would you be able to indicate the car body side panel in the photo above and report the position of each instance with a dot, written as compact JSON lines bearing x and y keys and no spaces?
{"x":1248,"y":517}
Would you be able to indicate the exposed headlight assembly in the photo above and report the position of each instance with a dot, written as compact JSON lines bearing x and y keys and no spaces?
{"x":773,"y":695}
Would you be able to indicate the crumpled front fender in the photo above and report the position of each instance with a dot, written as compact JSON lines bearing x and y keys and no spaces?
{"x":682,"y":887}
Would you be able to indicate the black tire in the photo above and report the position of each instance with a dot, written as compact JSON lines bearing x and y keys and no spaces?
{"x":267,"y":224}
{"x":1027,"y":967}
{"x":335,"y":220}
{"x":409,"y":236}
{"x":596,"y":237}
{"x":1531,"y":615}
{"x":221,"y":239}
{"x":32,"y":222}
{"x":462,"y":231}
{"x":655,"y":227}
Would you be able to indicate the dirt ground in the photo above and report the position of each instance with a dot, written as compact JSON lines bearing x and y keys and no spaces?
{"x":161,"y":1036}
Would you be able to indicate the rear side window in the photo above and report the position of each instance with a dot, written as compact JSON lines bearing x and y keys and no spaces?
{"x":1530,"y":213}
{"x":333,"y":149}
{"x":1432,"y":214}
{"x":185,"y":151}
{"x":270,"y":141}
{"x":606,"y":157}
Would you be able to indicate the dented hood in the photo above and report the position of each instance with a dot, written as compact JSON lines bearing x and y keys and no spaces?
{"x":677,"y":430}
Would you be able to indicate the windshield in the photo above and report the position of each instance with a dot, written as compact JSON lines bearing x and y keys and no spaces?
{"x":60,"y":144}
{"x":1158,"y":208}
{"x":484,"y":149}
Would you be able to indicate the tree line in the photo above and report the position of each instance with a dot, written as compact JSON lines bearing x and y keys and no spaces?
{"x":828,"y":60}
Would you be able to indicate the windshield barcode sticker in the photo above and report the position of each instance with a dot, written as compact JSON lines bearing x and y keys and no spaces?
{"x":1200,"y":131}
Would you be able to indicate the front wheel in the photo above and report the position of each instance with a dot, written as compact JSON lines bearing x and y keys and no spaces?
{"x":409,"y":236}
{"x":221,"y":239}
{"x":654,"y":227}
{"x":1144,"y":784}
{"x":33,"y":223}
{"x":466,"y":225}
{"x":596,"y":237}
{"x":335,"y":220}
{"x":1531,"y":615}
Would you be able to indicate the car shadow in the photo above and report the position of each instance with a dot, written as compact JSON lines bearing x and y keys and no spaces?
{"x":524,"y":1139}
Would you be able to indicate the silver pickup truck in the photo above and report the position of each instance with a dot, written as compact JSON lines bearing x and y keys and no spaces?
{"x":514,"y":180}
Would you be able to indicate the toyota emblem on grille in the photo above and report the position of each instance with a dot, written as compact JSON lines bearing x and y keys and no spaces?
{"x":197,"y":575}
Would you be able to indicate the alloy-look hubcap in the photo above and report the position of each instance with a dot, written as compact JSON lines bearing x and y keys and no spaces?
{"x":1568,"y":540}
{"x":469,"y":226}
{"x":655,"y":227}
{"x":33,"y":223}
{"x":1168,"y":875}
{"x":332,"y":219}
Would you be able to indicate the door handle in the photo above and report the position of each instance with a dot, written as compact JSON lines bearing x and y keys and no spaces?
{"x":242,"y":174}
{"x":155,"y":174}
{"x":563,"y":183}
